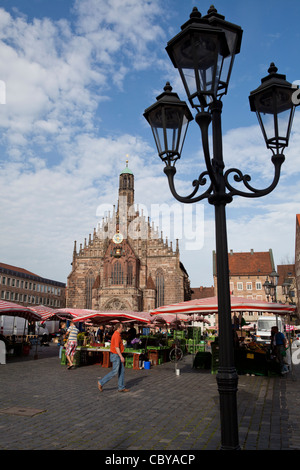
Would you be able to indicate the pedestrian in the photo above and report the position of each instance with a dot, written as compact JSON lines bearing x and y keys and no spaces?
{"x":61,"y":340}
{"x":71,"y":344}
{"x":280,"y":346}
{"x":117,"y":359}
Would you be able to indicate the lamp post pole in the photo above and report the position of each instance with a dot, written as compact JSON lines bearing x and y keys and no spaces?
{"x":203,"y":52}
{"x":227,"y":378}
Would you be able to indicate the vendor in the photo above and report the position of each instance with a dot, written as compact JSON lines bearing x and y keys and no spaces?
{"x":278,"y":345}
{"x":131,"y":334}
{"x":100,"y":334}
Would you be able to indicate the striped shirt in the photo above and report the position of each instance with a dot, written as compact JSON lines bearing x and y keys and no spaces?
{"x":73,"y":333}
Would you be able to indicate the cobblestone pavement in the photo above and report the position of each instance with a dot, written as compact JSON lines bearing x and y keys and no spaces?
{"x":44,"y":406}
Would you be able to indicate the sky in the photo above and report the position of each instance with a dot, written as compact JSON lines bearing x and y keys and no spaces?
{"x":75,"y":79}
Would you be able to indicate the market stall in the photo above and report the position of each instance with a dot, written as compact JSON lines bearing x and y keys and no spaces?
{"x":16,"y":344}
{"x":249,"y":356}
{"x":93,"y":352}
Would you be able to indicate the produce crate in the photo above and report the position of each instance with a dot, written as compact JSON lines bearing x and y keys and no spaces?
{"x":106,"y":359}
{"x":129,"y":362}
{"x":136,"y":361}
{"x":76,"y":360}
{"x":63,"y":359}
{"x":178,"y":334}
{"x":153,"y":357}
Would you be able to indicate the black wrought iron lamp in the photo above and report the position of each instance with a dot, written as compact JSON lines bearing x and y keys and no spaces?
{"x":288,"y":289}
{"x":271,"y":286}
{"x":204,"y":53}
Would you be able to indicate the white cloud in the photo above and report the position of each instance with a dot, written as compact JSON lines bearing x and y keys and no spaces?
{"x":60,"y":159}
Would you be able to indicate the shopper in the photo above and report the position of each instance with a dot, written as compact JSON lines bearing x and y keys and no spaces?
{"x":280,"y":346}
{"x":117,"y":359}
{"x":71,"y":345}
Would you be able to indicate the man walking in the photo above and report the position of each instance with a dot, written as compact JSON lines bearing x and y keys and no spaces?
{"x":117,"y":359}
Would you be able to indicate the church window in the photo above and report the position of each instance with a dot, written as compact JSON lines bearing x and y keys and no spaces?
{"x":129,"y":275}
{"x":117,"y":274}
{"x":88,"y":287}
{"x":160,"y":289}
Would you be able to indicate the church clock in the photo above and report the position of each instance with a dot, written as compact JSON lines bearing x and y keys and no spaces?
{"x":117,"y":238}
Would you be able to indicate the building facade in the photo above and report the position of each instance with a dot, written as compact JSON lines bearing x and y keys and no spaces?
{"x":248,"y":272}
{"x":126,"y":264}
{"x":26,"y":288}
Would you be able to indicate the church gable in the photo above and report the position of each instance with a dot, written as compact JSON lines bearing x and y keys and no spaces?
{"x":126,"y":265}
{"x":121,"y":266}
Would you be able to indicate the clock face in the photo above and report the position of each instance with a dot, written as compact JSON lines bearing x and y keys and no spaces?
{"x":118,"y":238}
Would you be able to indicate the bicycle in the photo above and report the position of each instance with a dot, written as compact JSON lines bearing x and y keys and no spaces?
{"x":176,"y":353}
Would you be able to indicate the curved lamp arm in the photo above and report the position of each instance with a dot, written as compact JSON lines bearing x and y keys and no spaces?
{"x":277,"y":161}
{"x":170,"y":172}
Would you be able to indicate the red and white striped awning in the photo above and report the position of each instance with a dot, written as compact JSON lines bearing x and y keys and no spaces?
{"x":290,"y":327}
{"x":238,"y":304}
{"x":15,"y":310}
{"x":169,"y":319}
{"x":98,"y":317}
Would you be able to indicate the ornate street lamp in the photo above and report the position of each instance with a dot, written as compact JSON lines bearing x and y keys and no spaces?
{"x":271,"y":286}
{"x":287,"y":290}
{"x":267,"y":287}
{"x":204,"y":52}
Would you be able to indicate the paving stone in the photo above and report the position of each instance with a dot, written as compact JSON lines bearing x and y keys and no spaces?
{"x":161,"y":412}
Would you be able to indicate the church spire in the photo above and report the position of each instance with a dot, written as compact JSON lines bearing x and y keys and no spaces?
{"x":126,"y":192}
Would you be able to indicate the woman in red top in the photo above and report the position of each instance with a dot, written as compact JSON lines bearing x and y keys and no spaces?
{"x":117,"y":360}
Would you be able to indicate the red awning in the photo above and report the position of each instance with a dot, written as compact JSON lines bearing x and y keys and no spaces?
{"x":238,"y":304}
{"x":98,"y":317}
{"x":15,"y":310}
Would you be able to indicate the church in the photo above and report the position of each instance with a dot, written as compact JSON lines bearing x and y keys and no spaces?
{"x":126,"y":264}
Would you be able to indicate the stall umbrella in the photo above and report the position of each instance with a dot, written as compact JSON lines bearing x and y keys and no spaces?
{"x":15,"y":310}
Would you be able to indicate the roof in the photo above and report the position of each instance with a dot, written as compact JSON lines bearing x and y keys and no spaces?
{"x":285,"y":271}
{"x":248,"y":263}
{"x":16,"y":269}
{"x":202,"y":292}
{"x":126,"y":170}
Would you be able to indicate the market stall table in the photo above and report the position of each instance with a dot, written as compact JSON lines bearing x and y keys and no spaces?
{"x":86,"y":355}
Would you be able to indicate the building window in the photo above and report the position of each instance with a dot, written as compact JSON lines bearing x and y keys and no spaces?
{"x":258,"y":285}
{"x":239,"y":286}
{"x":249,"y":285}
{"x":117,"y":274}
{"x":160,"y":289}
{"x":89,"y":282}
{"x":129,"y":275}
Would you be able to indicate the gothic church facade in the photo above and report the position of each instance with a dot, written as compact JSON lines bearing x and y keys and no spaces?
{"x":126,"y":265}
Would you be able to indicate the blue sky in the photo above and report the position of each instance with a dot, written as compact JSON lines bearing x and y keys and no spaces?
{"x":78,"y":76}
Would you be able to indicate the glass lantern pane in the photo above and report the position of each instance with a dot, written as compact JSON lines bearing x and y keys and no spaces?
{"x":199,"y":62}
{"x":283,"y":124}
{"x":175,"y":120}
{"x":267,"y":125}
{"x":182,"y":134}
{"x":158,"y":137}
